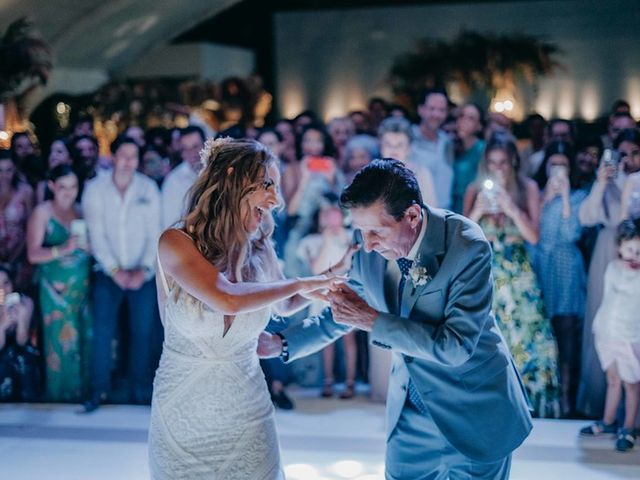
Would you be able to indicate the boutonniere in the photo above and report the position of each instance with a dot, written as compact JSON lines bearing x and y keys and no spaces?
{"x":418,"y":274}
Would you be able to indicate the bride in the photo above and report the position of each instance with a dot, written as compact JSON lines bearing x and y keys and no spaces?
{"x":218,"y":284}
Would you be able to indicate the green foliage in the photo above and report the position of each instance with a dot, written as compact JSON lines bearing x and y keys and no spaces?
{"x":25,"y":59}
{"x":476,"y":62}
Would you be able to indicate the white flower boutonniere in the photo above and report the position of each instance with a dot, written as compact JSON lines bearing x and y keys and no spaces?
{"x":419,"y":275}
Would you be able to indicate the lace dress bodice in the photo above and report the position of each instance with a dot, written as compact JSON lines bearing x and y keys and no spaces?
{"x":212,"y":415}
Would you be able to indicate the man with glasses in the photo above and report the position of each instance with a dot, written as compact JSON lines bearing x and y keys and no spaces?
{"x":618,"y":121}
{"x":177,"y":184}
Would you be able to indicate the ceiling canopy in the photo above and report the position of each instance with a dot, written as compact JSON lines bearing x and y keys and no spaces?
{"x":108,"y":35}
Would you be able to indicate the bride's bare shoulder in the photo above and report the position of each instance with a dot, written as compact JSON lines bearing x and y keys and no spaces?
{"x":175,"y":243}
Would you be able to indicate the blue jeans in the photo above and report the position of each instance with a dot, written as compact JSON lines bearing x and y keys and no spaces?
{"x":144,"y":321}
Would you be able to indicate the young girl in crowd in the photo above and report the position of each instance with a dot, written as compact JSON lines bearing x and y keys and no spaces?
{"x":616,"y":329}
{"x":319,"y":251}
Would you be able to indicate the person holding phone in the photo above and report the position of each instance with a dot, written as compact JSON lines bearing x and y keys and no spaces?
{"x":507,"y":208}
{"x":560,"y":266}
{"x":315,"y":175}
{"x":57,"y":244}
{"x":603,"y":207}
{"x":19,"y":359}
{"x":318,"y":252}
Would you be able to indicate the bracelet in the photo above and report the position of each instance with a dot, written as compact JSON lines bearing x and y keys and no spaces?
{"x":55,"y":252}
{"x":284,"y":354}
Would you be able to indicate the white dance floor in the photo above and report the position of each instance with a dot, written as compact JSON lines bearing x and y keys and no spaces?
{"x":320,"y":440}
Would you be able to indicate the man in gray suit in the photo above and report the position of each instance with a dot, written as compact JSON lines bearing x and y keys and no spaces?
{"x":422,"y":287}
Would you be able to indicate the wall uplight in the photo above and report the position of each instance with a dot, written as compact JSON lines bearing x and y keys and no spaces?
{"x":301,"y":471}
{"x":347,"y":469}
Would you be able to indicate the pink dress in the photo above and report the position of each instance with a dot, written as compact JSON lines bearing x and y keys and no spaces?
{"x":616,"y":326}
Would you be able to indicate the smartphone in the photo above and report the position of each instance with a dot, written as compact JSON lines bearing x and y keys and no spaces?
{"x":320,"y":165}
{"x":611,"y":158}
{"x":558,"y":171}
{"x":490,"y":190}
{"x":79,"y":230}
{"x":12,"y":299}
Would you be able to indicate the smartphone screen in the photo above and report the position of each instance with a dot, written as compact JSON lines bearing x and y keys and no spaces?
{"x":320,"y":164}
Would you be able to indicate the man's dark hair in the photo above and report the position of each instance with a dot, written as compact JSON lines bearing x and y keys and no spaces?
{"x":193,"y":129}
{"x":378,"y":100}
{"x":306,"y":113}
{"x":627,"y":135}
{"x":628,"y":230}
{"x":621,"y":115}
{"x":620,"y":104}
{"x":587,"y":141}
{"x":83,"y":118}
{"x":237,"y":131}
{"x":273,"y":131}
{"x":387,"y":180}
{"x":123,"y":140}
{"x":76,"y":138}
{"x":555,"y":121}
{"x":433,"y":91}
{"x":16,"y":136}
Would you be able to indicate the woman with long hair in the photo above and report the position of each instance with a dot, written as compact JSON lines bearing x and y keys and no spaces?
{"x":16,"y":204}
{"x":56,"y":243}
{"x":507,"y":207}
{"x":218,"y":283}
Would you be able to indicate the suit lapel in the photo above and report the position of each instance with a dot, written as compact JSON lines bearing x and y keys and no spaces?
{"x":429,"y":256}
{"x":378,"y":290}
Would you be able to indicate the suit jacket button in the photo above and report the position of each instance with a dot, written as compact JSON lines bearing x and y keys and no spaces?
{"x":404,"y":388}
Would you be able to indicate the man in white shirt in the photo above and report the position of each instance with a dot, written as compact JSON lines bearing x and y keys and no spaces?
{"x":177,"y":184}
{"x":122,"y":211}
{"x":431,"y":147}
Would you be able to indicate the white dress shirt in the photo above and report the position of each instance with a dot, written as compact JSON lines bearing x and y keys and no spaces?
{"x":438,"y":158}
{"x":618,"y":317}
{"x":392,"y":273}
{"x":174,"y":193}
{"x":123,"y":231}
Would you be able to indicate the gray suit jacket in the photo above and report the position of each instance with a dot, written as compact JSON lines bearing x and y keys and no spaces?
{"x":445,"y":339}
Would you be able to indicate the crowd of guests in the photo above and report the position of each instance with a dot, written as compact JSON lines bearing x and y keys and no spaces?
{"x":79,"y":232}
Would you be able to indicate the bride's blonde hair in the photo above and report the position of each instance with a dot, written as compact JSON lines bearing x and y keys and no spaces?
{"x":232,"y":169}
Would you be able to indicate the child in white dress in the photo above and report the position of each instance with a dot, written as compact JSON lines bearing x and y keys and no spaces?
{"x":616,"y":328}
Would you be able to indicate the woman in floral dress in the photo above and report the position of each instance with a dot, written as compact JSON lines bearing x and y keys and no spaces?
{"x":16,"y":203}
{"x":507,"y":208}
{"x":63,"y":274}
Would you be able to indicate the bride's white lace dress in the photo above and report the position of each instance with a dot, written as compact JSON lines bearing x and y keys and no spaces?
{"x":211,"y":414}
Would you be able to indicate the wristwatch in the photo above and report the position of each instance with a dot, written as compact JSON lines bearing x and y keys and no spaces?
{"x":284,"y":354}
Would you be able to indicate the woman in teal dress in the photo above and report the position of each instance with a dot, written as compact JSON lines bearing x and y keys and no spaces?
{"x":63,"y":277}
{"x":507,"y":208}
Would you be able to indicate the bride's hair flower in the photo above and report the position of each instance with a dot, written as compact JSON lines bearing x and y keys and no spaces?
{"x":212,"y":148}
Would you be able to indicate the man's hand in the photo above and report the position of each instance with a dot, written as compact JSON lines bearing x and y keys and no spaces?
{"x":269,"y":345}
{"x":121,"y":278}
{"x":349,"y":309}
{"x":136,"y":278}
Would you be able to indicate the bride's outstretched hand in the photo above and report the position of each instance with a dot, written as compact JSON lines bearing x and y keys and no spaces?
{"x":322,"y":282}
{"x":344,"y":265}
